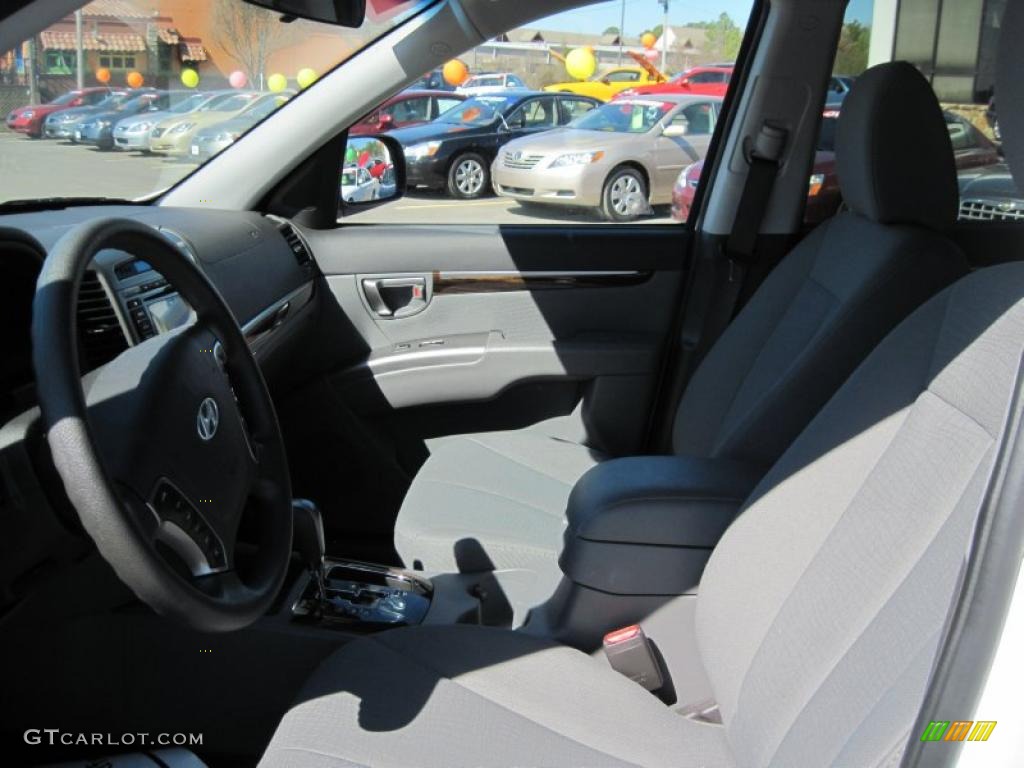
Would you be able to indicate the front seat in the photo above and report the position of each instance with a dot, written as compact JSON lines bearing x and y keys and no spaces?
{"x":811,"y":322}
{"x":820,"y":611}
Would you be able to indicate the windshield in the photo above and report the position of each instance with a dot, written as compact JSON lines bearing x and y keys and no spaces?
{"x":187,"y":104}
{"x":482,"y":110}
{"x":112,"y":101}
{"x":477,"y":82}
{"x":65,"y":98}
{"x":209,"y":61}
{"x":624,"y":116}
{"x":233,"y":103}
{"x":136,"y":104}
{"x":264,"y":108}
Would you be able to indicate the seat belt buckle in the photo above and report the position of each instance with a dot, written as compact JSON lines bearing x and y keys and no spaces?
{"x":630,"y":653}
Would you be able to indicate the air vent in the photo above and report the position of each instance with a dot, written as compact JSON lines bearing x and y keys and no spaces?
{"x":297,"y":244}
{"x":100,"y":336}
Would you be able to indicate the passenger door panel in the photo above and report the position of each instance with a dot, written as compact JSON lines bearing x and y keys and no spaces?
{"x":495,"y":310}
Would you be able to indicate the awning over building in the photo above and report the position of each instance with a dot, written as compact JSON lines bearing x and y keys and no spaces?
{"x":108,"y":42}
{"x":191,"y":49}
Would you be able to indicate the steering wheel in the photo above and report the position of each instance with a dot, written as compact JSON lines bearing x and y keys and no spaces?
{"x":171,"y":450}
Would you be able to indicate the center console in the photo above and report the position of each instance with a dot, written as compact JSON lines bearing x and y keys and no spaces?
{"x":361,"y":596}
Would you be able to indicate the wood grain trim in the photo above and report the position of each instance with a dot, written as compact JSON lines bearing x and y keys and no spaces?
{"x":501,"y":282}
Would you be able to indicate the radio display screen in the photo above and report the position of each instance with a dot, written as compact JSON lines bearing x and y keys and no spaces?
{"x":169,"y":312}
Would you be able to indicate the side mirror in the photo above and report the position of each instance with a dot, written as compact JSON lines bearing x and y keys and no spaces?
{"x":685,"y":82}
{"x":372,"y":173}
{"x":675,"y":130}
{"x":386,"y":121}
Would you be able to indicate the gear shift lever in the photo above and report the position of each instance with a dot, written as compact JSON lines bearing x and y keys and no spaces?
{"x":308,"y":541}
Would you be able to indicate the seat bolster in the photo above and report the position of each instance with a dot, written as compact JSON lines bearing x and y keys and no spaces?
{"x":491,"y":500}
{"x":473,"y":696}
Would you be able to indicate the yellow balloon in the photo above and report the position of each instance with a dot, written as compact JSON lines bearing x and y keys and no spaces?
{"x":580,"y":64}
{"x":277,"y":82}
{"x":189,"y":78}
{"x":648,"y":39}
{"x":306,"y":77}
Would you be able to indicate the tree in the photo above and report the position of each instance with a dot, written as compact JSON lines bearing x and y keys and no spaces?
{"x":723,"y":38}
{"x":852,"y":51}
{"x":611,"y":31}
{"x":249,"y":35}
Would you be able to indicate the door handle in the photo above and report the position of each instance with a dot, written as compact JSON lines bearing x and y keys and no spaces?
{"x":396,"y":297}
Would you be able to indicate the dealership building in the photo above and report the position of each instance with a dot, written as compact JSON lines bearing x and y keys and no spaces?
{"x":953,"y":42}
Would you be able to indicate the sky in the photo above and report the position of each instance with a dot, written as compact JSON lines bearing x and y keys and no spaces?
{"x":645,"y":14}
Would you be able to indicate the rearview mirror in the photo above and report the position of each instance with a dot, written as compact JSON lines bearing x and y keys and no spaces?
{"x":372,"y":173}
{"x":343,"y":13}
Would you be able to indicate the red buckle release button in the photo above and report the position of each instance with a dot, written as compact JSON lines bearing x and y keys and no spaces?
{"x":622,"y":635}
{"x":629,"y":653}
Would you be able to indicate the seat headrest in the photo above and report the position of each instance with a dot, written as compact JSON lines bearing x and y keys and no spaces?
{"x":894,"y":157}
{"x":1010,"y":89}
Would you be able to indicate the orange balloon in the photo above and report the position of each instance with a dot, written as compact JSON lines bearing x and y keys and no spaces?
{"x":648,"y":39}
{"x":135,"y":79}
{"x":455,"y":72}
{"x":103,"y":75}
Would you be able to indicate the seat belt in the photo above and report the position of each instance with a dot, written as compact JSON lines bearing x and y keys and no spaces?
{"x":764,"y":158}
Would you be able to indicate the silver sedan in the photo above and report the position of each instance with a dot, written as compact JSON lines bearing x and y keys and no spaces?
{"x":620,"y":158}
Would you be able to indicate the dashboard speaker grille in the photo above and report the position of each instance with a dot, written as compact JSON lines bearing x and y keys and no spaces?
{"x":100,"y":336}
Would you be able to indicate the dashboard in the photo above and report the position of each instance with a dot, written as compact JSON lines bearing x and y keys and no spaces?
{"x":261,"y":265}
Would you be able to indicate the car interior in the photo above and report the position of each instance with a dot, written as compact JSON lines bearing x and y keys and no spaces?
{"x":739,"y":491}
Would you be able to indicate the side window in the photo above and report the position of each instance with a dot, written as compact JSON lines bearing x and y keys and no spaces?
{"x":622,"y":76}
{"x":699,"y":119}
{"x":95,"y":97}
{"x":442,"y":104}
{"x":703,"y":78}
{"x":573,"y":108}
{"x":961,"y":133}
{"x":536,"y":113}
{"x":410,"y":111}
{"x":491,"y":155}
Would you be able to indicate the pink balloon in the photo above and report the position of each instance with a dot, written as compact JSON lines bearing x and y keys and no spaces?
{"x":651,"y":54}
{"x":238,"y":79}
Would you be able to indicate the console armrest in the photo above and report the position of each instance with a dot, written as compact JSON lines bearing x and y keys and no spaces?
{"x":646,"y":525}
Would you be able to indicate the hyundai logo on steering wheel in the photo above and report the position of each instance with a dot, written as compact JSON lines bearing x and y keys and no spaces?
{"x":208,"y":419}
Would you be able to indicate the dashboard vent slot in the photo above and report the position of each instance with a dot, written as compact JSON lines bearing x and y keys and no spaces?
{"x":100,"y":336}
{"x":298,"y":246}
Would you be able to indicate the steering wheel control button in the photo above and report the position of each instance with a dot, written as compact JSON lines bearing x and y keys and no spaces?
{"x":186,"y":531}
{"x":208,"y":419}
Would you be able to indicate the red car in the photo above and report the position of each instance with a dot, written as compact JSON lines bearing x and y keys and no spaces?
{"x":971,"y":149}
{"x":406,"y":108}
{"x":701,"y":81}
{"x":29,"y":119}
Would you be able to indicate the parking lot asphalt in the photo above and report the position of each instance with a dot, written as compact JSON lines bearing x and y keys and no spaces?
{"x":34,"y":168}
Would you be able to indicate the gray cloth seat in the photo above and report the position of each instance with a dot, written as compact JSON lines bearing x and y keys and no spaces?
{"x":814,"y":318}
{"x":820,"y":612}
{"x":819,"y":615}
